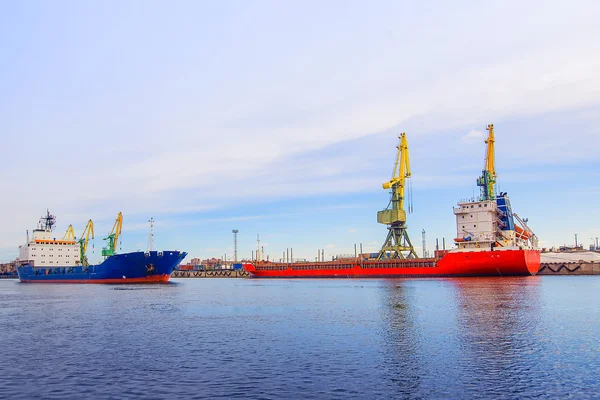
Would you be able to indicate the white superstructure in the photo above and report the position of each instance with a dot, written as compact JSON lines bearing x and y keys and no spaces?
{"x":489,"y":225}
{"x":43,"y":250}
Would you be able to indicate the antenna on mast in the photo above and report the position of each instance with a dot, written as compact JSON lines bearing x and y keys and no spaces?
{"x":48,"y":221}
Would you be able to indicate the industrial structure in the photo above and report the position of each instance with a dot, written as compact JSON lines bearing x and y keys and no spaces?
{"x":491,"y":240}
{"x":487,"y":180}
{"x":235,"y":232}
{"x":258,"y":248}
{"x":397,"y":242}
{"x":84,"y":240}
{"x":69,"y":234}
{"x":113,"y":237}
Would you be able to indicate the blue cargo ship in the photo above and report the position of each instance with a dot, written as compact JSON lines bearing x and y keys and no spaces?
{"x":44,"y":259}
{"x":137,"y":267}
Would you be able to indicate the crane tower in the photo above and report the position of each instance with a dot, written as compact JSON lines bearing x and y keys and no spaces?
{"x":397,"y":243}
{"x":487,"y":180}
{"x":83,"y":242}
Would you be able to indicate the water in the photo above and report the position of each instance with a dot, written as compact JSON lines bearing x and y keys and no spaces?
{"x":226,"y":338}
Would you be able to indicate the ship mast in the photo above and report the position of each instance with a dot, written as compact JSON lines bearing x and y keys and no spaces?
{"x":151,"y":237}
{"x":48,"y":221}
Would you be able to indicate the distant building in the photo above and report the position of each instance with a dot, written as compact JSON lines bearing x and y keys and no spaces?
{"x":8,"y":268}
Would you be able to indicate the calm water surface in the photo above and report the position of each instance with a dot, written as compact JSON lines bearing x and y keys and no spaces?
{"x":209,"y":338}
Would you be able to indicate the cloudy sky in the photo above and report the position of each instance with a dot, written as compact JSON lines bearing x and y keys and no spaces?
{"x":280,"y":118}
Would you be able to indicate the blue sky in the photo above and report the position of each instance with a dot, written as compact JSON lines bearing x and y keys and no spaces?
{"x":281,"y":118}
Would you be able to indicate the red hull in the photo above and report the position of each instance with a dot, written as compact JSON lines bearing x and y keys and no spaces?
{"x":149,"y":279}
{"x":480,"y":263}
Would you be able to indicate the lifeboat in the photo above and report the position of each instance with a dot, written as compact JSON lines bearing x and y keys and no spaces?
{"x":521,"y":233}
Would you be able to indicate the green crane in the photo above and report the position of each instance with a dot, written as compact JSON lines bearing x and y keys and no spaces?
{"x":113,"y":237}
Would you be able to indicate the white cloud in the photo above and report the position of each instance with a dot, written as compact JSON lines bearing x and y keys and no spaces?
{"x":352,"y":230}
{"x":330,"y":246}
{"x":198,"y":135}
{"x":472,"y":136}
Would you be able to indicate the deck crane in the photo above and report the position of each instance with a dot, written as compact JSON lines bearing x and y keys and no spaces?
{"x":488,"y":176}
{"x":397,"y":242}
{"x":69,"y":234}
{"x":113,"y":237}
{"x":84,"y":240}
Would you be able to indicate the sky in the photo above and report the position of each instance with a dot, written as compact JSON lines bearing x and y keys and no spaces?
{"x":281,"y":119}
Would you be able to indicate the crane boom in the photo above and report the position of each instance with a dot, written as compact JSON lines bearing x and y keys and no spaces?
{"x":69,"y":234}
{"x":490,"y":153}
{"x":117,"y":227}
{"x":401,"y":171}
{"x":84,"y":240}
{"x":113,"y":237}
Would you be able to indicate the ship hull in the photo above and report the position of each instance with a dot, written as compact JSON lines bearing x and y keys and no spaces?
{"x":136,"y":267}
{"x":469,"y":263}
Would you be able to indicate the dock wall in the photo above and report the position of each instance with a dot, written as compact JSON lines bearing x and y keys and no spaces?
{"x":570,"y":268}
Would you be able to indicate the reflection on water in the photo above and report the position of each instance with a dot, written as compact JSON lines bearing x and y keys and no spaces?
{"x":498,"y":330}
{"x":403,"y":365}
{"x":205,"y":338}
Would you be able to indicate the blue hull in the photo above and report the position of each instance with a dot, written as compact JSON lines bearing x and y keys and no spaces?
{"x":137,"y":267}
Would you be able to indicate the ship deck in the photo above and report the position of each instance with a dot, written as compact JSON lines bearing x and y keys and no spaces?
{"x":346,"y":264}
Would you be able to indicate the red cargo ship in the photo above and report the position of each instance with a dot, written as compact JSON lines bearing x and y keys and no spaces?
{"x":490,"y":241}
{"x":513,"y":262}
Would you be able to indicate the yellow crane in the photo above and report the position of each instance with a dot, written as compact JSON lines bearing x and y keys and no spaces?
{"x":69,"y":234}
{"x":84,"y":240}
{"x":397,"y":242}
{"x":113,"y":237}
{"x":487,"y":180}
